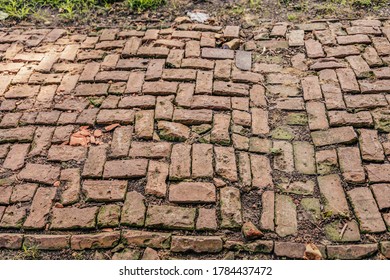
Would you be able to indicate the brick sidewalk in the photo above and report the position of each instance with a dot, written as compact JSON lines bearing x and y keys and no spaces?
{"x":165,"y":140}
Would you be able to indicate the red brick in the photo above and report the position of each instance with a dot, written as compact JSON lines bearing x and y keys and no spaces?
{"x":197,"y":244}
{"x":314,"y":49}
{"x":95,"y":241}
{"x":131,"y":47}
{"x":333,"y":194}
{"x":104,"y":191}
{"x":204,"y":82}
{"x":366,"y":210}
{"x":156,"y":178}
{"x":311,"y":88}
{"x":11,"y":240}
{"x":378,"y":173}
{"x":370,"y":146}
{"x":150,"y":149}
{"x":225,"y":163}
{"x":40,"y":173}
{"x":351,"y":164}
{"x":132,"y":168}
{"x":334,"y":136}
{"x":159,"y":88}
{"x":180,"y":167}
{"x":71,"y":189}
{"x":202,"y":161}
{"x":40,"y":208}
{"x":220,"y":131}
{"x":170,"y":217}
{"x":133,"y":211}
{"x":230,"y":208}
{"x":192,"y":192}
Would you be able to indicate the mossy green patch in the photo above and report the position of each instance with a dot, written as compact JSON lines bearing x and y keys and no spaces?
{"x":296,"y":119}
{"x":282,"y":133}
{"x":312,"y":207}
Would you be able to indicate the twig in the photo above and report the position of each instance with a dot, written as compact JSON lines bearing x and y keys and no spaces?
{"x":343,"y":230}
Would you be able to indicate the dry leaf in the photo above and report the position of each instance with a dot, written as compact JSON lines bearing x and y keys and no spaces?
{"x":312,"y":252}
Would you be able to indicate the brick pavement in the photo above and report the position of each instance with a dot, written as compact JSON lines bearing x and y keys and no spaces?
{"x":197,"y":142}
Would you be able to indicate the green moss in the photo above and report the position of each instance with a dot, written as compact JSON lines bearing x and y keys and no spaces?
{"x":297,"y":119}
{"x":312,"y":207}
{"x":282,"y":133}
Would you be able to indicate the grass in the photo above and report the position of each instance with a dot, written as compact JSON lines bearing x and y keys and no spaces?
{"x":67,"y":8}
{"x":141,"y":5}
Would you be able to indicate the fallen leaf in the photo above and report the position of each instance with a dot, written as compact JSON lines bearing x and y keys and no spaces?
{"x":312,"y":252}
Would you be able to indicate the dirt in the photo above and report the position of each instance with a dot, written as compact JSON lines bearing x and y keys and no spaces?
{"x":226,"y":12}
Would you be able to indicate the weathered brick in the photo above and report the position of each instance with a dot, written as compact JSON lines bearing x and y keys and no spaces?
{"x":268,"y":211}
{"x":359,"y":119}
{"x":170,"y":217}
{"x":204,"y":82}
{"x":382,"y":195}
{"x":351,"y":252}
{"x":104,"y":190}
{"x":333,"y":193}
{"x":326,"y":161}
{"x":197,"y":244}
{"x":304,"y":157}
{"x":157,"y":240}
{"x":259,"y":121}
{"x":132,"y":168}
{"x":311,"y":88}
{"x":192,"y":192}
{"x":284,"y":161}
{"x":11,"y":240}
{"x":378,"y":173}
{"x":230,"y":207}
{"x":40,"y":173}
{"x":296,"y":38}
{"x":314,"y":49}
{"x":144,"y":124}
{"x":202,"y":161}
{"x":207,"y":219}
{"x":40,"y":208}
{"x":285,"y":216}
{"x":73,"y":218}
{"x":213,"y":53}
{"x":156,"y":178}
{"x":180,"y":167}
{"x":191,"y":117}
{"x":220,"y":131}
{"x":150,"y":149}
{"x":94,"y":163}
{"x":71,"y":188}
{"x":211,"y":102}
{"x":366,"y":210}
{"x":67,"y":153}
{"x":164,"y":107}
{"x":370,"y":146}
{"x":359,"y":66}
{"x":16,"y":156}
{"x":334,"y":136}
{"x":95,"y":240}
{"x":133,"y":211}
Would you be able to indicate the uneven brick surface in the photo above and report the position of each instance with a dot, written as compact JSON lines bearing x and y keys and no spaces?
{"x":186,"y":141}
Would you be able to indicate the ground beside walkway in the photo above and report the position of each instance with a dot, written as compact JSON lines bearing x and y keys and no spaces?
{"x":196,"y":141}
